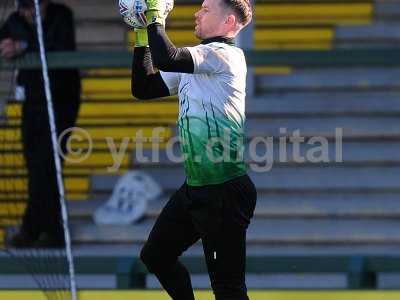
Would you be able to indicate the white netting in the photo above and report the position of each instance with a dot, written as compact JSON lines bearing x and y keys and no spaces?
{"x":52,"y":269}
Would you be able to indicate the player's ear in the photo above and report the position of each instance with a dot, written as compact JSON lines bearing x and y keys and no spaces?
{"x":231,"y":20}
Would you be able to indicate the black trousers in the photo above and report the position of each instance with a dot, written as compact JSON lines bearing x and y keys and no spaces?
{"x":43,"y":213}
{"x":218,"y":215}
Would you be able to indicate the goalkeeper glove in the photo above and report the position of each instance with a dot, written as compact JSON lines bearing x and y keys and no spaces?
{"x":158,"y":10}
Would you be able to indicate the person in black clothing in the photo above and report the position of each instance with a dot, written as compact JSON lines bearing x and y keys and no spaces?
{"x":42,"y":222}
{"x":217,"y":200}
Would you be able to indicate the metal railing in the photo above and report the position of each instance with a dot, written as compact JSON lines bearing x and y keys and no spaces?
{"x":362,"y":271}
{"x":309,"y":58}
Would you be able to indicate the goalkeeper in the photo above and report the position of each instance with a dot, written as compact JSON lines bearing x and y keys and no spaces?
{"x":217,"y":199}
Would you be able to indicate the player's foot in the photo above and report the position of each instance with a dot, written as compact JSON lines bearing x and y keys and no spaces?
{"x":47,"y":240}
{"x":21,"y":240}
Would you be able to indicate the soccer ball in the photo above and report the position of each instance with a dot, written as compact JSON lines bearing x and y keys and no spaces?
{"x":133,"y":12}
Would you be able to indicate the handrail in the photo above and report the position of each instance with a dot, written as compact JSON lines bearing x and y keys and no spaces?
{"x":130,"y":272}
{"x":309,"y":58}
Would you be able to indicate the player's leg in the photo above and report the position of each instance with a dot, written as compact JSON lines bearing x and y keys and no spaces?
{"x":31,"y":130}
{"x":226,"y":264}
{"x":66,"y":107}
{"x":172,"y":234}
{"x":46,"y":208}
{"x":224,"y":237}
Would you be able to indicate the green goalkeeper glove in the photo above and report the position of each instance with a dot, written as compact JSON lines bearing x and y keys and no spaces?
{"x":158,"y":10}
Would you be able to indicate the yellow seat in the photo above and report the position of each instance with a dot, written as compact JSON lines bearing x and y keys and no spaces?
{"x":76,"y":196}
{"x":12,"y":209}
{"x":314,"y":13}
{"x":10,"y":136}
{"x":273,"y":70}
{"x":114,"y":121}
{"x":71,"y":170}
{"x":113,"y":113}
{"x":129,"y":133}
{"x":294,"y":38}
{"x":109,"y":88}
{"x":106,"y":96}
{"x":109,"y":85}
{"x":22,"y":195}
{"x":182,"y":15}
{"x":69,"y":195}
{"x":8,"y":221}
{"x":99,"y":145}
{"x":307,"y":13}
{"x":2,"y":236}
{"x":95,"y":160}
{"x":76,"y":184}
{"x":96,"y":170}
{"x":133,"y":110}
{"x":280,"y":25}
{"x":108,"y":72}
{"x":126,"y":72}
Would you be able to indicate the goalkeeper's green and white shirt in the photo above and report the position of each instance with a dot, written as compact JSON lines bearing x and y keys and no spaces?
{"x":211,"y":113}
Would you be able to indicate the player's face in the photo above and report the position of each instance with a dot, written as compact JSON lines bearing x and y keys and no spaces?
{"x":28,"y":12}
{"x":209,"y":19}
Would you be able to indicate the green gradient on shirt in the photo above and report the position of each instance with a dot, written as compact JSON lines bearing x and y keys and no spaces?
{"x":213,"y":149}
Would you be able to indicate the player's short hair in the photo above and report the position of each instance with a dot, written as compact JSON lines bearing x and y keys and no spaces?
{"x":242,"y":8}
{"x":26,"y":3}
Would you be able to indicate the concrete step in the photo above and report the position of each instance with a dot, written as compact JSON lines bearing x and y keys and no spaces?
{"x":263,"y":231}
{"x":98,"y":24}
{"x":274,"y":205}
{"x":325,"y":126}
{"x":334,"y":177}
{"x":384,"y":33}
{"x":324,"y":103}
{"x":133,"y":249}
{"x":101,"y":35}
{"x":102,"y":8}
{"x":376,"y":32}
{"x":363,"y":44}
{"x":388,"y":10}
{"x":333,"y":79}
{"x":370,"y":153}
{"x":94,"y":10}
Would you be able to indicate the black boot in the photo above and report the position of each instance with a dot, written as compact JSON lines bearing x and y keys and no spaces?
{"x":22,"y":239}
{"x":47,"y":240}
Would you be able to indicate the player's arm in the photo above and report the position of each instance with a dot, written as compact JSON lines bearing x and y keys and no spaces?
{"x":4,"y":32}
{"x":12,"y":37}
{"x":166,"y":56}
{"x":7,"y":29}
{"x":146,"y":82}
{"x":61,"y":37}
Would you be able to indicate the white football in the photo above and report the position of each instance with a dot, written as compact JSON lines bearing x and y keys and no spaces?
{"x":133,"y":12}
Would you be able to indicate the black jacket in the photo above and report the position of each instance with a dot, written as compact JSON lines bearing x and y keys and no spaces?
{"x":59,"y":31}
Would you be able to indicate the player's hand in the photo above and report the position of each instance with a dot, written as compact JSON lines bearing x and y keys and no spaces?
{"x":10,"y":48}
{"x":158,"y":10}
